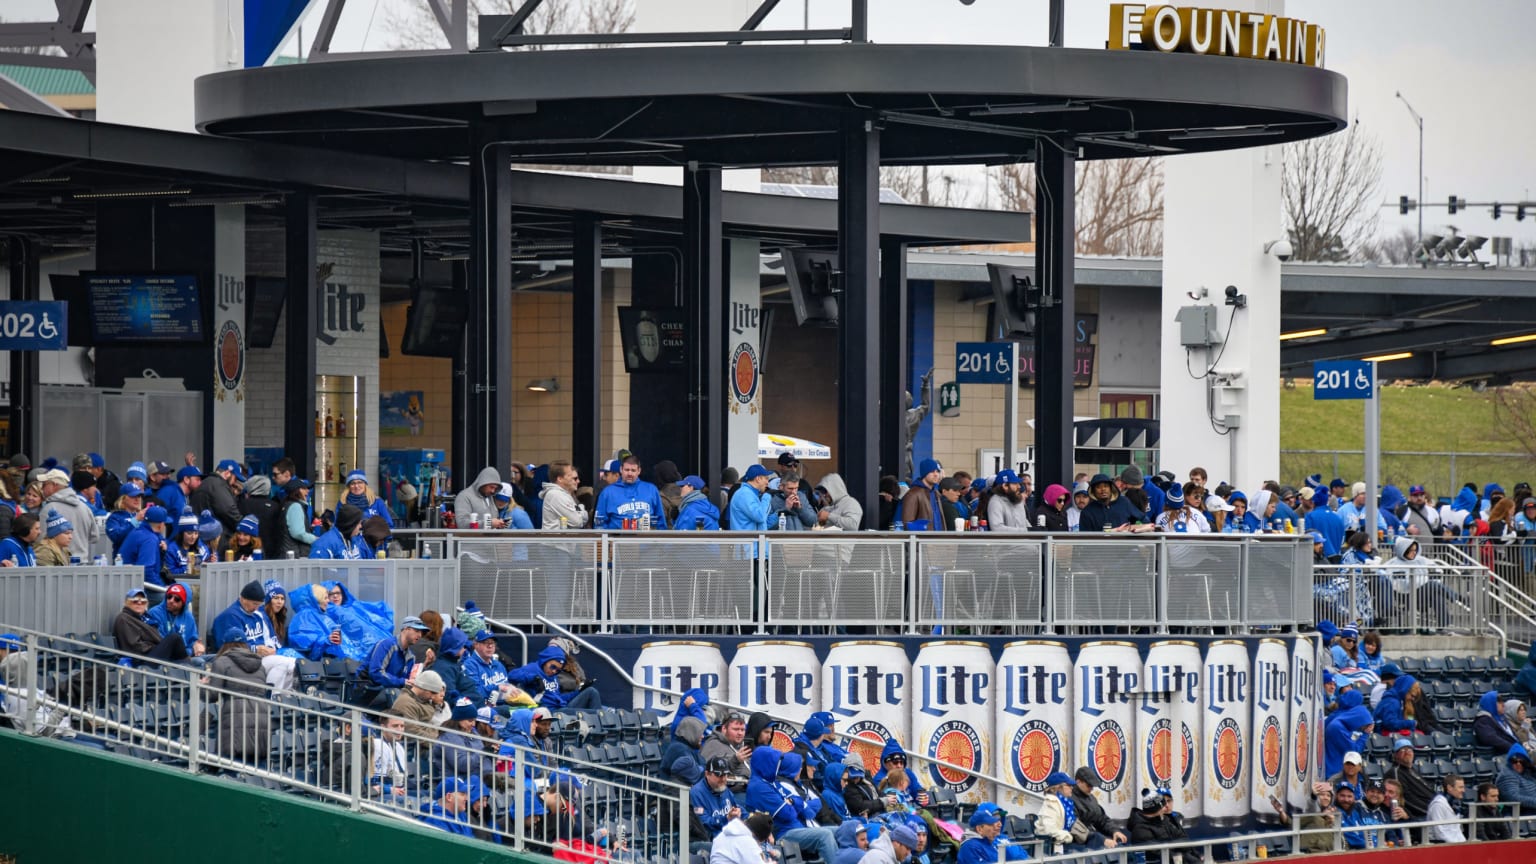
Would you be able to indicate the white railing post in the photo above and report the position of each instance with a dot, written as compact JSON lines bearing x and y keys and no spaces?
{"x":519,"y":794}
{"x":29,"y":715}
{"x":194,"y":722}
{"x":355,"y":781}
{"x":1160,"y":585}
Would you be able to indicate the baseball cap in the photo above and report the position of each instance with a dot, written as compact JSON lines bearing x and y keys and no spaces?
{"x":1415,"y":490}
{"x":414,"y":623}
{"x":1080,"y":487}
{"x":1374,"y":786}
{"x":503,"y":492}
{"x":156,"y":515}
{"x":1153,"y":801}
{"x":451,"y":784}
{"x":1337,"y":483}
{"x":1402,"y":743}
{"x":178,"y":591}
{"x":232,"y":465}
{"x":786,"y":458}
{"x":990,"y":817}
{"x":1007,"y":475}
{"x":484,"y":636}
{"x":611,"y":466}
{"x":1357,"y":489}
{"x":1317,"y":536}
{"x":134,"y":592}
{"x":718,"y":765}
{"x":693,"y":480}
{"x":1353,"y":756}
{"x":189,"y":471}
{"x":131,"y":489}
{"x":158,"y":467}
{"x":1391,"y":669}
{"x":755,"y":471}
{"x":1217,"y":504}
{"x":542,"y":713}
{"x":54,"y":475}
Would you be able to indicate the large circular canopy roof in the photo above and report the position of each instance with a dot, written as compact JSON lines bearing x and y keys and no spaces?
{"x":760,"y":105}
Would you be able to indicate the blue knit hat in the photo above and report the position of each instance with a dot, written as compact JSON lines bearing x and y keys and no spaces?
{"x":57,"y":524}
{"x":248,"y":525}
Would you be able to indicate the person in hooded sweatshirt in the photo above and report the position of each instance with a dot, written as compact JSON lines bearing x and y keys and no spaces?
{"x":345,"y":539}
{"x":687,"y":738}
{"x":1490,"y":727}
{"x":798,"y":781}
{"x":451,"y":651}
{"x":479,"y":499}
{"x":710,"y":795}
{"x":859,"y":794}
{"x":1525,"y":679}
{"x":852,"y":842}
{"x":983,"y":844}
{"x":892,"y":847}
{"x":892,"y":757}
{"x":1389,"y":711}
{"x":808,"y":743}
{"x":1517,"y":780}
{"x":794,"y":818}
{"x":695,"y":512}
{"x":1348,"y":729}
{"x":174,"y":614}
{"x":541,"y":680}
{"x":741,"y":841}
{"x":561,"y":511}
{"x":629,"y":498}
{"x":519,"y":745}
{"x":1409,"y":571}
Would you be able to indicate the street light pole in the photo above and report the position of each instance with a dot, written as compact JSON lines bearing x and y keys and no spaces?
{"x":1419,"y":120}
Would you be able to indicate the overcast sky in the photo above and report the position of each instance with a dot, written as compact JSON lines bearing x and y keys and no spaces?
{"x":1466,"y":67}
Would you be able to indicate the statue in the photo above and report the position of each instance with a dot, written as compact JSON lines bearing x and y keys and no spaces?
{"x":915,"y":415}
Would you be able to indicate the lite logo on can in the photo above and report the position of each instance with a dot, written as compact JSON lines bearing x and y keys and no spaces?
{"x":1105,"y":684}
{"x":957,"y":743}
{"x":1227,"y":748}
{"x":1036,"y":752}
{"x":1271,"y":755}
{"x":1032,"y":686}
{"x":944,"y":686}
{"x":855,"y":687}
{"x":1171,"y":683}
{"x":1161,"y":752}
{"x":680,"y":678}
{"x":1106,"y":750}
{"x":1229,"y":687}
{"x":868,"y":739}
{"x":1271,"y":695}
{"x":773,"y":685}
{"x":1303,"y":746}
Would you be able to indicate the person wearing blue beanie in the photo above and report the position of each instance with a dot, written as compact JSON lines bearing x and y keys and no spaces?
{"x":541,"y":680}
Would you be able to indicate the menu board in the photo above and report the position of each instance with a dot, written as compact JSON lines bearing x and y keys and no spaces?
{"x":144,"y":307}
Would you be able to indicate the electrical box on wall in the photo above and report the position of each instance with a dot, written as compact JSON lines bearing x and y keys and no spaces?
{"x":1197,"y":326}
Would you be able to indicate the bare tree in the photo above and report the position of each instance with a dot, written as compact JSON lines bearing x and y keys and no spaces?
{"x":808,"y":175}
{"x":1329,"y":189}
{"x":414,"y":27}
{"x":1514,"y":410}
{"x":1400,"y":247}
{"x":1119,"y":203}
{"x":911,"y":182}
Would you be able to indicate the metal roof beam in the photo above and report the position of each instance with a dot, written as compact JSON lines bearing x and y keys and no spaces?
{"x":1406,"y":339}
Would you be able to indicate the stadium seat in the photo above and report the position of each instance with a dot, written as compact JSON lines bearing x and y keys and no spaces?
{"x":1466,"y":768}
{"x":1412,"y":666}
{"x":1501,"y":664}
{"x":1434,"y":667}
{"x":1462,"y":688}
{"x":943,"y":803}
{"x":1442,"y":743}
{"x":311,"y":674}
{"x":595,"y":732}
{"x":791,"y":852}
{"x":651,"y":727}
{"x":1438,"y":690}
{"x":1466,"y":715}
{"x":1464,"y":739}
{"x":1477,"y":665}
{"x":650,"y":755}
{"x":1429,"y":769}
{"x":1456,"y":666}
{"x":631,"y":759}
{"x":629,"y":725}
{"x":1486,"y":768}
{"x":576,"y":751}
{"x":1421,"y":743}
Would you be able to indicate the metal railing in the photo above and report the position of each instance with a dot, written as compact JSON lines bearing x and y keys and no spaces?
{"x":1396,"y":599}
{"x":325,"y":750}
{"x":893,"y":581}
{"x":83,"y":598}
{"x":407,"y":585}
{"x":1442,"y":472}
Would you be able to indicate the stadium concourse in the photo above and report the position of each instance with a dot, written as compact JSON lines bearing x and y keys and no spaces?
{"x":935,"y":748}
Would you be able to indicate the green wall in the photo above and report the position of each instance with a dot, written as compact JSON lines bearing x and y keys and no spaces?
{"x":66,"y":803}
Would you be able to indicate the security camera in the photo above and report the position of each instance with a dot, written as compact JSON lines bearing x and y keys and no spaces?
{"x":1279,"y":248}
{"x":1236,"y":299}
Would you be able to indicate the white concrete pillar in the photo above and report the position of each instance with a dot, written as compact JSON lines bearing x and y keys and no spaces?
{"x":1219,"y":211}
{"x":229,"y":333}
{"x":149,"y":53}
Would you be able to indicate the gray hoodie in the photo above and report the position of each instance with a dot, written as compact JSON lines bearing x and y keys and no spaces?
{"x":846,"y":512}
{"x":68,"y":504}
{"x":557,"y":503}
{"x":471,"y":501}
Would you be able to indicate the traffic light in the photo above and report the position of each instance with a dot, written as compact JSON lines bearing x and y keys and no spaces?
{"x":1402,"y":205}
{"x":1498,"y":210}
{"x":1454,"y":205}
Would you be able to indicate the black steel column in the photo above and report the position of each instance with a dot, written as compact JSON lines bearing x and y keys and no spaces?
{"x":858,"y":237}
{"x":704,"y":297}
{"x":26,"y":284}
{"x":458,"y":438}
{"x":1055,"y":344}
{"x":586,"y":344}
{"x":488,"y":344}
{"x":894,"y":359}
{"x":302,"y":353}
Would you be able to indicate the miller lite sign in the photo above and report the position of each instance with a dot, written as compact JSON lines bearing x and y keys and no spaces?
{"x":952,"y":716}
{"x":1034,"y":717}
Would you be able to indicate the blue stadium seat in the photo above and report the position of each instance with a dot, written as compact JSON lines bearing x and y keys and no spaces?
{"x":1412,"y":666}
{"x":651,"y":727}
{"x":1462,"y":688}
{"x":629,"y":725}
{"x":1442,"y":743}
{"x":1434,"y":667}
{"x":1477,"y":665}
{"x":1457,"y":666}
{"x":596,"y":733}
{"x":650,"y":754}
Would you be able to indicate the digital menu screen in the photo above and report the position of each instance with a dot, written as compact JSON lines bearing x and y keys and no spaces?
{"x":144,"y":307}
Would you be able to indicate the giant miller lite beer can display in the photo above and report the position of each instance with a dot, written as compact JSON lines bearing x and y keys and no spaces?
{"x":1168,"y":724}
{"x":867,"y":686}
{"x":952,"y":715}
{"x":679,"y":666}
{"x":1271,"y":727}
{"x":1228,"y":722}
{"x":1300,"y":761}
{"x":779,"y":677}
{"x":1106,"y":685}
{"x":1034,"y":718}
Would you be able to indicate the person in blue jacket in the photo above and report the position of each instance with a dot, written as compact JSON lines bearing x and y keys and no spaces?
{"x":1389,"y":711}
{"x":831,"y":751}
{"x":852,"y":842}
{"x":145,"y":545}
{"x":449,"y":807}
{"x":710,"y":797}
{"x":791,"y":820}
{"x":345,"y":539}
{"x":984,"y":843}
{"x":127,"y":515}
{"x":629,"y":498}
{"x":509,"y":511}
{"x":541,"y":680}
{"x":696,"y":512}
{"x":174,"y":614}
{"x":1323,"y":520}
{"x":1348,"y":729}
{"x":893,"y":757}
{"x":244,"y":614}
{"x":16,"y":550}
{"x":389,"y":664}
{"x":185,"y":552}
{"x":173,"y":496}
{"x":451,"y":648}
{"x":359,"y":495}
{"x":750,"y":504}
{"x":488,"y":672}
{"x":695,"y":703}
{"x":312,"y":633}
{"x":520,"y":747}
